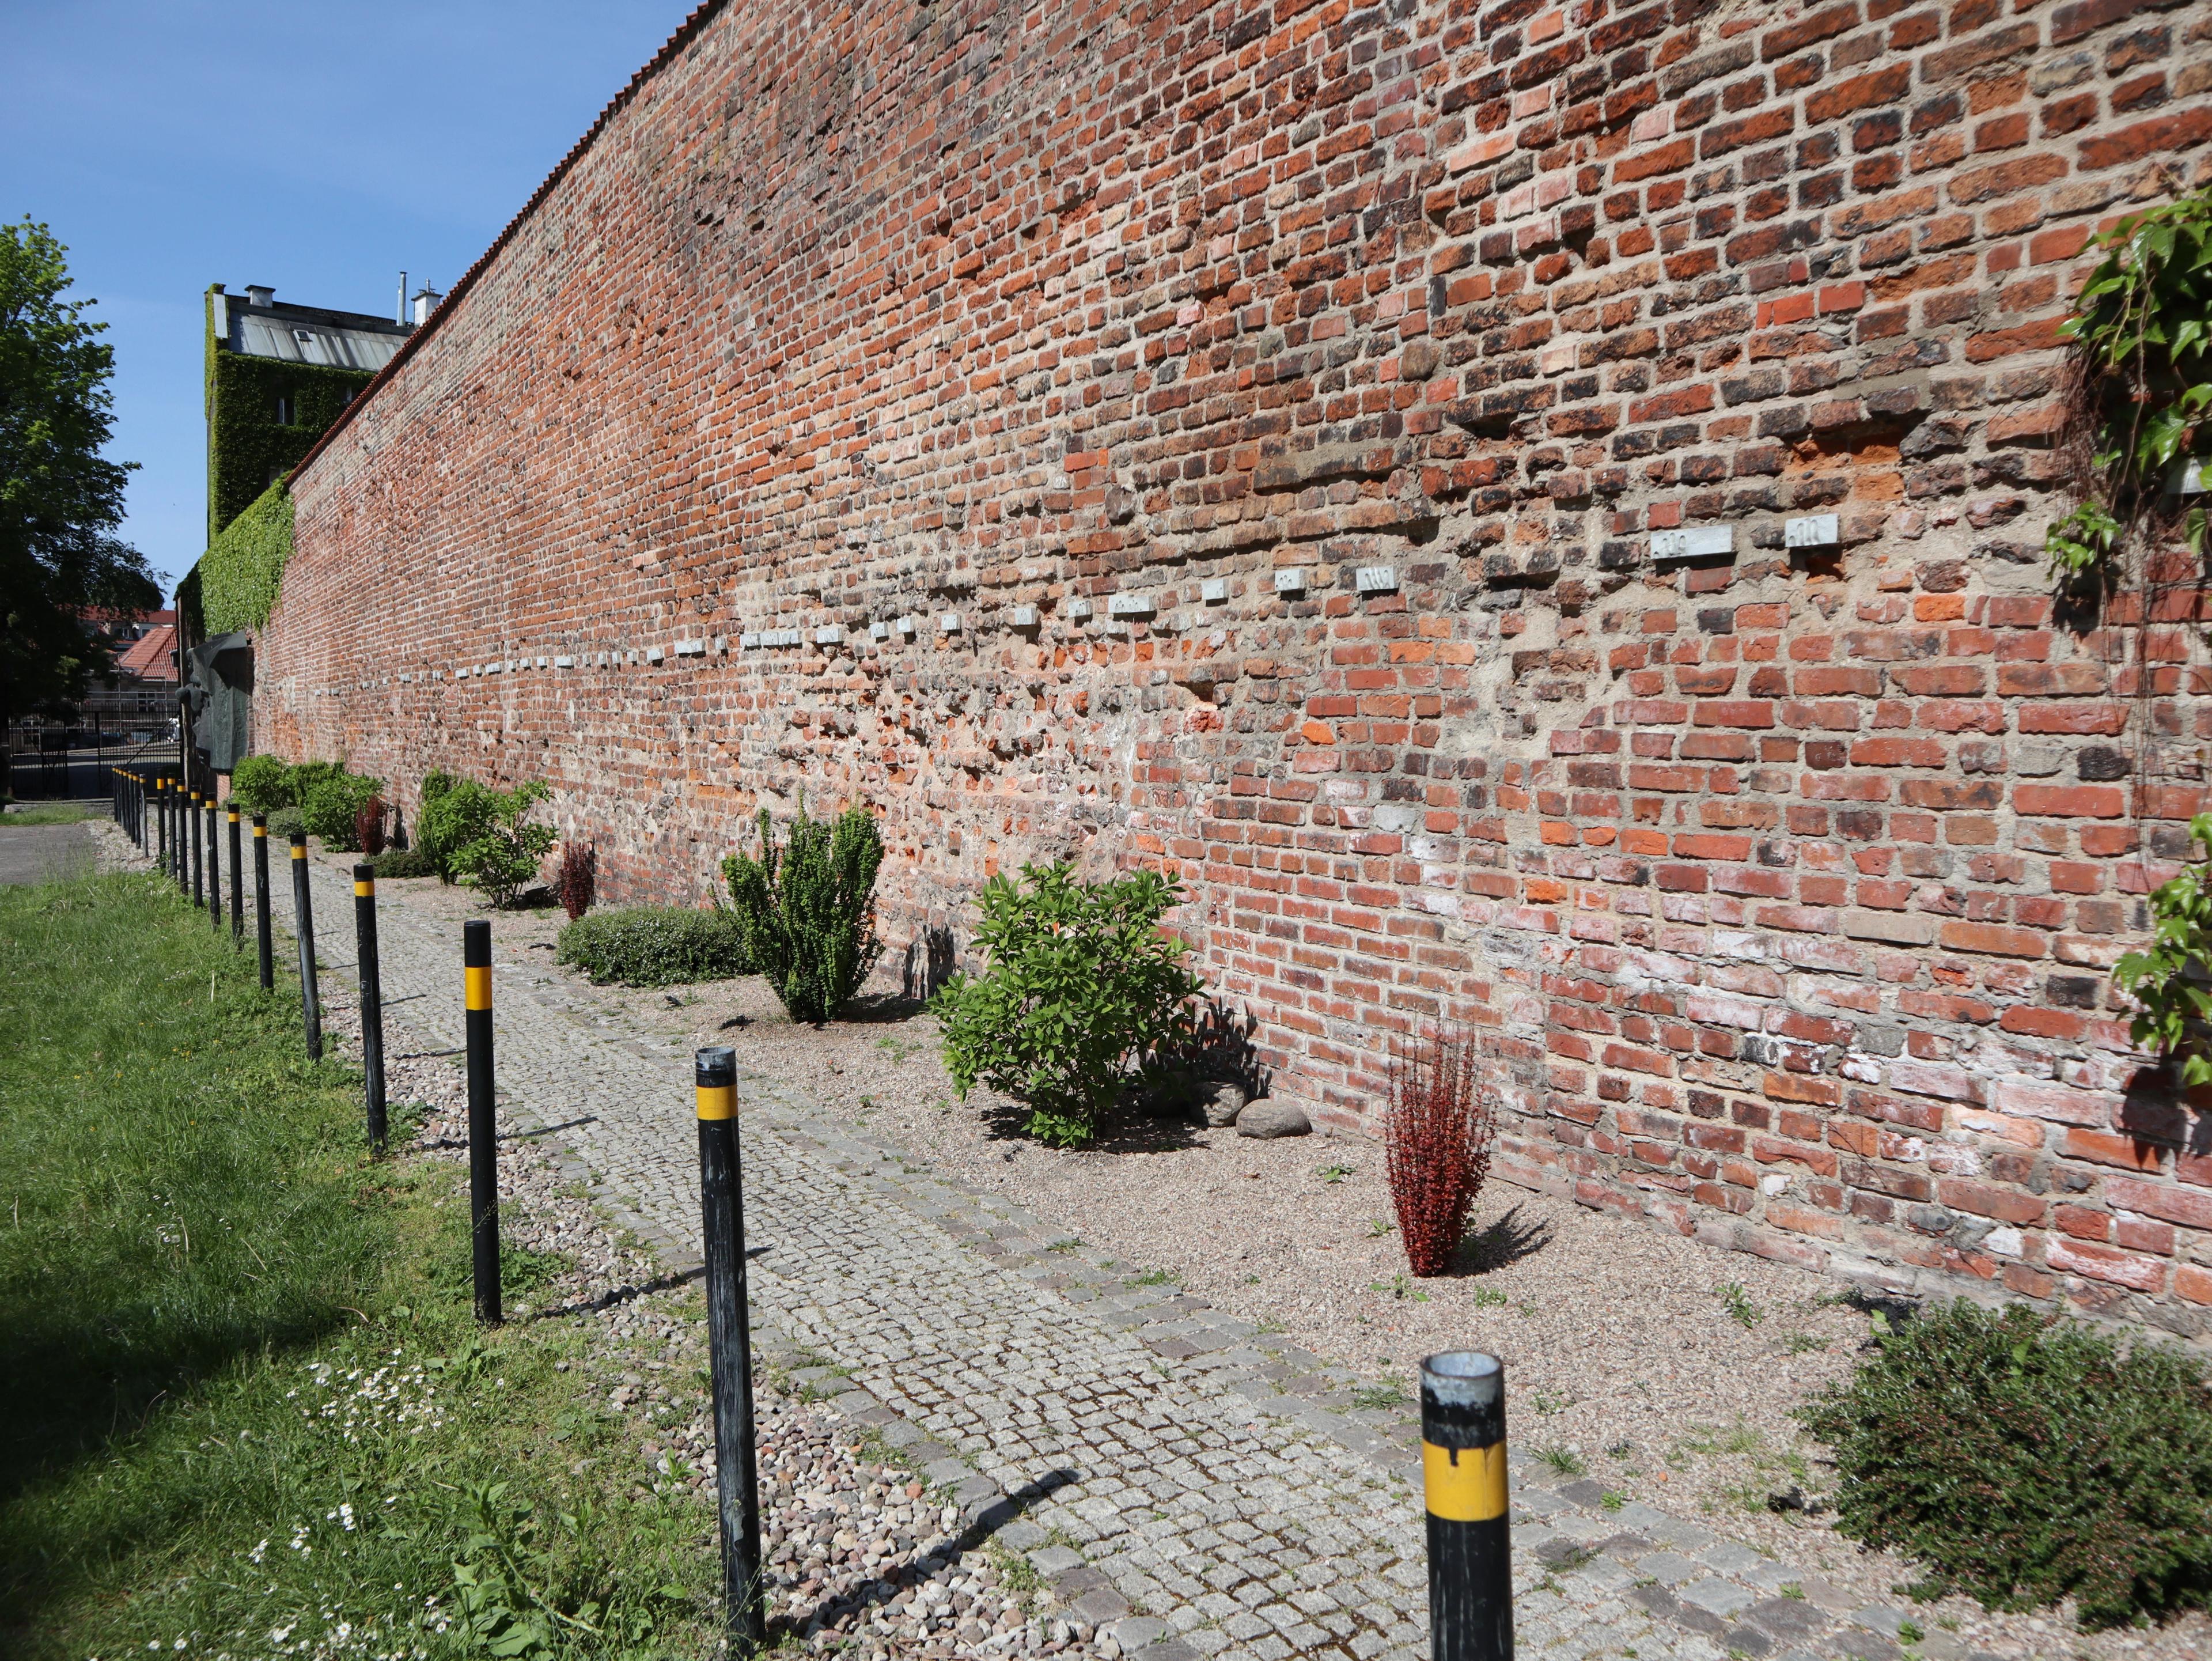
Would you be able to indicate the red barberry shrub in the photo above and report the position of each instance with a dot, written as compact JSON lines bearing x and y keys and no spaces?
{"x":1436,"y":1143}
{"x":579,"y":878}
{"x":368,"y":826}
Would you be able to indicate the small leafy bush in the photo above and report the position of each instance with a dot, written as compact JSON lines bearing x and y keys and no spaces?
{"x":453,"y":815}
{"x":1437,"y":1136}
{"x":655,"y":945}
{"x":261,"y":784}
{"x":2170,"y":981}
{"x":2023,"y":1464}
{"x":1081,"y":991}
{"x":807,"y":910}
{"x":330,"y":807}
{"x":282,"y":822}
{"x":505,"y":856}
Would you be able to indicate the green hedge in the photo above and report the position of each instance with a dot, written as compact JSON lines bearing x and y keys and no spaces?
{"x":2023,"y":1462}
{"x":654,"y":946}
{"x":243,"y":568}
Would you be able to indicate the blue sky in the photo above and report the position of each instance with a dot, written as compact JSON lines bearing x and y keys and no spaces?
{"x":316,"y":147}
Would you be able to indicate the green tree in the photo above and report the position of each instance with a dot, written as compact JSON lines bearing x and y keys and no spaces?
{"x":61,"y":500}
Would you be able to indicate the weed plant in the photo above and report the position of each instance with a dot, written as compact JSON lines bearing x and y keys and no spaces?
{"x":1437,"y":1136}
{"x":246,"y":1409}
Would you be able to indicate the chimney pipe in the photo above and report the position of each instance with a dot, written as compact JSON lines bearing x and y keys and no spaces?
{"x":399,"y":311}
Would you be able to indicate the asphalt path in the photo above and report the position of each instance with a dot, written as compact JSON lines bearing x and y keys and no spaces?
{"x":41,"y":853}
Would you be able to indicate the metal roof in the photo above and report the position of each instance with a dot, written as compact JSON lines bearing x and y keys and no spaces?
{"x":306,"y":334}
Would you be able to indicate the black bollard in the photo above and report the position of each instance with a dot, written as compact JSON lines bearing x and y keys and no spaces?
{"x":303,"y":922}
{"x":192,"y":815}
{"x":162,"y":825}
{"x":483,"y":1127}
{"x":237,"y":886}
{"x":1463,"y":1482}
{"x":261,"y":899}
{"x":215,"y":865}
{"x":372,"y":997}
{"x":729,"y":1347}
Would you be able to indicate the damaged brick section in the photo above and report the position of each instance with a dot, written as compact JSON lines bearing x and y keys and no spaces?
{"x":1234,"y":437}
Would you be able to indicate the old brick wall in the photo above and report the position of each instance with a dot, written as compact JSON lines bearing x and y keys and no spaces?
{"x":1783,"y":882}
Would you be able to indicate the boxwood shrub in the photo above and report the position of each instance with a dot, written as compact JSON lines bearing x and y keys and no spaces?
{"x":2022,"y":1463}
{"x":655,"y":945}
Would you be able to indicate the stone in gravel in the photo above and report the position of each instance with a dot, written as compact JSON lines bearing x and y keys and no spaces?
{"x":1269,"y":1120}
{"x":1221,"y":1102}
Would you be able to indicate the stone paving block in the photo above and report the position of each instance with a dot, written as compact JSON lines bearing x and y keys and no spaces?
{"x":1719,"y":1597}
{"x":1669,"y":1568}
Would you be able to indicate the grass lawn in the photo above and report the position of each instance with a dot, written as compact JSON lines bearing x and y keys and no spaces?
{"x":49,"y":812}
{"x":244,"y":1409}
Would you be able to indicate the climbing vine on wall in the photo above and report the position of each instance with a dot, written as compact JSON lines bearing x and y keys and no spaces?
{"x":240,"y":574}
{"x":2137,"y":426}
{"x":2142,"y":329}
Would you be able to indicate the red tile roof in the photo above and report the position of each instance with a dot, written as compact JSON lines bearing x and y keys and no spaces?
{"x":148,"y":658}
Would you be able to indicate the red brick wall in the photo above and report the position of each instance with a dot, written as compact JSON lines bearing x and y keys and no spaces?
{"x":1785,"y":883}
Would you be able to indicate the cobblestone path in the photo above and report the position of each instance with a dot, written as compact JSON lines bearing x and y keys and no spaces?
{"x":1183,"y":1479}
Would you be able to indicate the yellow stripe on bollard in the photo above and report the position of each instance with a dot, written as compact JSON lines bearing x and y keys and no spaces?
{"x":717,"y":1101}
{"x":299,"y":851}
{"x":1464,"y":1485}
{"x":362,"y":891}
{"x":479,"y":986}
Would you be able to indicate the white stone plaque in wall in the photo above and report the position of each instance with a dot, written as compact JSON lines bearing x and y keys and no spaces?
{"x":908,"y":623}
{"x":1025,"y":617}
{"x":1130,"y":605}
{"x":1078,"y":608}
{"x":1693,"y":543}
{"x":830,"y":634}
{"x":1214,"y":590}
{"x":1375,"y":580}
{"x":1289,"y":582}
{"x":654,"y":654}
{"x":748,"y":640}
{"x":691,"y":648}
{"x":1814,"y":531}
{"x":948,"y":622}
{"x":565,"y":662}
{"x":879,"y":632}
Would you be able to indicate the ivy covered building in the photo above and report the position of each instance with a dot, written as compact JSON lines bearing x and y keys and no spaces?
{"x":278,"y":375}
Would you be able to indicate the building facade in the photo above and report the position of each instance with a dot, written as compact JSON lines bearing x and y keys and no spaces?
{"x":1535,"y":512}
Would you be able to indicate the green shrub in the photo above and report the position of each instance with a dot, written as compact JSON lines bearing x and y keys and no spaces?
{"x":452,"y":818}
{"x":807,"y":910}
{"x":400,"y":862}
{"x":331,"y":807}
{"x":261,"y":784}
{"x":283,"y":822}
{"x":2022,"y":1465}
{"x":1082,"y":988}
{"x":506,"y":854}
{"x":655,"y":945}
{"x":301,"y":778}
